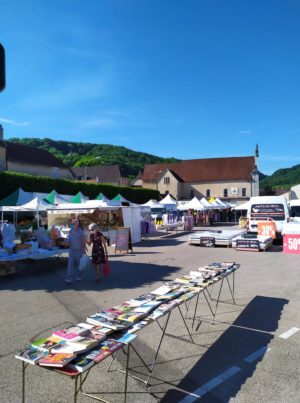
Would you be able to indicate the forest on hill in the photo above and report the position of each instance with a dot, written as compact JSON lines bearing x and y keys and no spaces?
{"x":79,"y":154}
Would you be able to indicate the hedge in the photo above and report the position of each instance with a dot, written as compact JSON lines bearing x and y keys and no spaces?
{"x":10,"y":181}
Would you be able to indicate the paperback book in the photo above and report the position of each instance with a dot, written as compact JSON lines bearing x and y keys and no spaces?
{"x":71,"y":333}
{"x":56,"y":359}
{"x":47,"y":344}
{"x":32,"y":355}
{"x":81,"y":363}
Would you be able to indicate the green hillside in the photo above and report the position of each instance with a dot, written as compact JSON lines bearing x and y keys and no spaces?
{"x":282,"y":178}
{"x":79,"y":154}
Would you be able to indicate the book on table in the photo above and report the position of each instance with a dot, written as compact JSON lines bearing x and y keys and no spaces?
{"x":47,"y":344}
{"x":131,"y":317}
{"x":76,"y":347}
{"x":114,"y":324}
{"x":56,"y":359}
{"x":147,"y":306}
{"x":164,"y":289}
{"x":31,"y":354}
{"x":126,"y":338}
{"x":81,"y":363}
{"x":105,"y":349}
{"x":72,"y":332}
{"x":138,"y":326}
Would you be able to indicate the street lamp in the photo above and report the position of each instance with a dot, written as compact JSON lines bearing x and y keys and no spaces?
{"x":85,"y":168}
{"x":152,"y":177}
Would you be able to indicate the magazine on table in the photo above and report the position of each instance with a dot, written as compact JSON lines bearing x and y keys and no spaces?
{"x":56,"y":359}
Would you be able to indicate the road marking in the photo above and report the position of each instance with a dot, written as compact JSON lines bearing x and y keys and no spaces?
{"x":257,"y":354}
{"x":289,"y":333}
{"x":207,"y":387}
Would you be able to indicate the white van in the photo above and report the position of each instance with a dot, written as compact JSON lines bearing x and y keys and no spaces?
{"x":268,"y":208}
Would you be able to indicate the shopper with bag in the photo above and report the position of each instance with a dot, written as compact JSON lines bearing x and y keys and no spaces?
{"x":77,"y":249}
{"x":99,"y":249}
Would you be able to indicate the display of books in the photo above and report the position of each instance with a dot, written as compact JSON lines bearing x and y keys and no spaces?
{"x":115,"y":324}
{"x":56,"y":359}
{"x":81,"y":363}
{"x":147,"y":307}
{"x":47,"y":344}
{"x":32,"y":355}
{"x":138,"y":326}
{"x":170,"y":295}
{"x":164,"y":289}
{"x":126,"y":338}
{"x":76,"y":347}
{"x":104,"y":349}
{"x":131,"y":317}
{"x":72,"y":332}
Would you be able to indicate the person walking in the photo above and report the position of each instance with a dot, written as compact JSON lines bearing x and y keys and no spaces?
{"x":99,"y":249}
{"x":77,"y":249}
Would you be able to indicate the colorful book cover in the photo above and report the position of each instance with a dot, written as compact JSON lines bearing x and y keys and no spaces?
{"x":81,"y":363}
{"x":31,"y":355}
{"x":131,"y":317}
{"x":138,"y":326}
{"x":46,"y":344}
{"x":98,"y":355}
{"x":71,"y":332}
{"x":56,"y":360}
{"x":126,"y":338}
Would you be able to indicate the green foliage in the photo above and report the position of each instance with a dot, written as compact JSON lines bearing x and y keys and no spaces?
{"x":282,"y":178}
{"x":79,"y":154}
{"x":10,"y":181}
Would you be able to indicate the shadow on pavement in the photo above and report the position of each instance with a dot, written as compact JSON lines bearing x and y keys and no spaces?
{"x":49,"y":275}
{"x":232,"y":354}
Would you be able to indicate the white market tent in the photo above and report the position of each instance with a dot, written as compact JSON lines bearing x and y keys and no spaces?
{"x":132,"y":216}
{"x":207,"y":205}
{"x":35,"y":204}
{"x":55,"y":198}
{"x":152,"y":203}
{"x":244,"y":206}
{"x":222,"y":204}
{"x":193,"y":204}
{"x":169,"y":203}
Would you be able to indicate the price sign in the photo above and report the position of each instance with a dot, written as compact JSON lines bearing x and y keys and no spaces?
{"x":291,"y":243}
{"x":266,"y":228}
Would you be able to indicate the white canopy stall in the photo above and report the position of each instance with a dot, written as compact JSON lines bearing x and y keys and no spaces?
{"x":169,"y":203}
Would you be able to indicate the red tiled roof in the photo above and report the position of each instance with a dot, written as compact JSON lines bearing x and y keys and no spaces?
{"x":31,"y":155}
{"x":205,"y":170}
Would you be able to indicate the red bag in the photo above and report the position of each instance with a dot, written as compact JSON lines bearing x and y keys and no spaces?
{"x":106,"y":268}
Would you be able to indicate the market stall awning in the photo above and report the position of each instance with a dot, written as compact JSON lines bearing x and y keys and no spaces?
{"x":55,"y":198}
{"x":79,"y":198}
{"x":16,"y":198}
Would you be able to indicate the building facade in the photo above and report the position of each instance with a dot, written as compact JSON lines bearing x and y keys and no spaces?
{"x":232,"y":179}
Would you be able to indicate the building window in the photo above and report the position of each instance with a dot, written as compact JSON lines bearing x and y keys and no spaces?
{"x":208,"y":193}
{"x":225,"y":192}
{"x":244,"y":192}
{"x":166,"y":180}
{"x":55,"y":173}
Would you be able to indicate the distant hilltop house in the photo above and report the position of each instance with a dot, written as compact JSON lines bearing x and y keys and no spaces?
{"x":230,"y":179}
{"x":25,"y":159}
{"x":101,"y":174}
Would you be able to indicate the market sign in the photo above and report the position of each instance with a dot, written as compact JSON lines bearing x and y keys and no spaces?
{"x":271,"y":210}
{"x":207,"y":241}
{"x":266,"y":228}
{"x":291,"y":243}
{"x":248,"y":244}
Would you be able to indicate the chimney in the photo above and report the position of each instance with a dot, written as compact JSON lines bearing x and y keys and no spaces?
{"x":1,"y":133}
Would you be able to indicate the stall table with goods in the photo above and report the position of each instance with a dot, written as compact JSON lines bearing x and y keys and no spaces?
{"x":214,"y":237}
{"x":76,"y":350}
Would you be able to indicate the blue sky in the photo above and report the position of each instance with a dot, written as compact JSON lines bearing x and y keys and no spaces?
{"x":175,"y":78}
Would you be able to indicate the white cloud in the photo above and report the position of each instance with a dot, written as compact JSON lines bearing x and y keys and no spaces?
{"x":13,"y":122}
